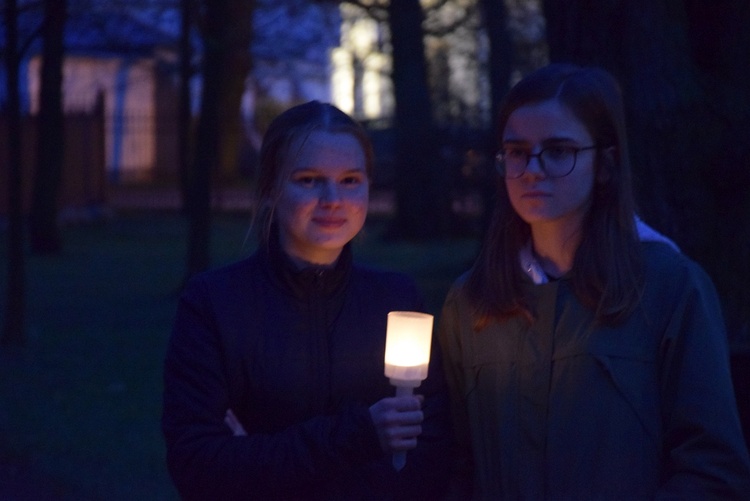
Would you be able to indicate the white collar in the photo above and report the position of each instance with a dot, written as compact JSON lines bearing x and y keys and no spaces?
{"x":531,"y":266}
{"x":533,"y":269}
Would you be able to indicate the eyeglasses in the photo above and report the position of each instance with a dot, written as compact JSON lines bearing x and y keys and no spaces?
{"x":555,"y":161}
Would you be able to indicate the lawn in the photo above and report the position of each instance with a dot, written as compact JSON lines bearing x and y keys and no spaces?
{"x":80,"y":404}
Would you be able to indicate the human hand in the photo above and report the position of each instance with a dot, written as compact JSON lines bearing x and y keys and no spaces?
{"x":234,"y":424}
{"x":398,"y":422}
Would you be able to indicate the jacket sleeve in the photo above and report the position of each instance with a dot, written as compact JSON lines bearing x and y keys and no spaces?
{"x":203,"y":457}
{"x":705,"y":454}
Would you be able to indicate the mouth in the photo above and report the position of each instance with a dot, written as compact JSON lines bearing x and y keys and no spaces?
{"x":536,"y":194}
{"x":329,"y":222}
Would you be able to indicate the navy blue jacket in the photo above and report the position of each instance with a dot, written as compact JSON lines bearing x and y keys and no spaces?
{"x":298,"y":356}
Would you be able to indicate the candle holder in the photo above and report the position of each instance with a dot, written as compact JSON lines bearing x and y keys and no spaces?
{"x":407,"y":356}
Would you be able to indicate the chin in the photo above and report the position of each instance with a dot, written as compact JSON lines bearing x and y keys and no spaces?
{"x":533,"y":218}
{"x":331,"y":242}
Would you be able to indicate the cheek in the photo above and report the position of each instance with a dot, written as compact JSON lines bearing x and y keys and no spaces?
{"x":512,"y":189}
{"x":581,"y":191}
{"x":295,"y":200}
{"x":291,"y":206}
{"x":357,"y":199}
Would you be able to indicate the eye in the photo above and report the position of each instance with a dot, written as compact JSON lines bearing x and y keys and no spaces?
{"x":514,"y":153}
{"x":558,"y":152}
{"x":352,"y":180}
{"x":306,"y":180}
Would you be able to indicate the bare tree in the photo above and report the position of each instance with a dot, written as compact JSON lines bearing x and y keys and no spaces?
{"x":14,"y":329}
{"x":226,"y":30}
{"x":495,"y":18}
{"x":421,"y":182}
{"x":423,"y":204}
{"x":44,"y":232}
{"x":188,"y":13}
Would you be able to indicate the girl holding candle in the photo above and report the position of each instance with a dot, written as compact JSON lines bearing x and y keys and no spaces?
{"x":585,"y":362}
{"x":274,"y":382}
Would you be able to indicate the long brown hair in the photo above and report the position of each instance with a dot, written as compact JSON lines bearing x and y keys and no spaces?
{"x":607,"y":269}
{"x":285,"y":136}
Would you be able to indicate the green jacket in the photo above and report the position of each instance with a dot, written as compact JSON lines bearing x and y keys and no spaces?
{"x":563,"y":409}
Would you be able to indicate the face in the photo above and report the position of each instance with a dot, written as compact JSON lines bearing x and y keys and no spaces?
{"x":323,"y":200}
{"x":537,"y":198}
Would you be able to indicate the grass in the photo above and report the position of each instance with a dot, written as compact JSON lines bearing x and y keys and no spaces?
{"x":80,"y":403}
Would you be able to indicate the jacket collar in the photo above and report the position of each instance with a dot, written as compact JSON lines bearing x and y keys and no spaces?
{"x":301,"y":283}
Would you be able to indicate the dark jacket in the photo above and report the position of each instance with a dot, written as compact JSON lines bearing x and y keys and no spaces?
{"x":298,"y":356}
{"x":566,"y":409}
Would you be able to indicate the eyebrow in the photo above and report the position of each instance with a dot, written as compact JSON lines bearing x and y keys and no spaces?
{"x":549,"y":140}
{"x":317,"y":170}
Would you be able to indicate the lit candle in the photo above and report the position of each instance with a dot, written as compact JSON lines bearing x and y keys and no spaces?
{"x":407,"y":356}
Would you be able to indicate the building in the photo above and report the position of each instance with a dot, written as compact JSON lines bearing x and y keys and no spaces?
{"x":302,"y":50}
{"x":111,"y":60}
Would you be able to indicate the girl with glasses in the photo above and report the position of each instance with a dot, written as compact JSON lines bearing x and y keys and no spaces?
{"x":587,"y":359}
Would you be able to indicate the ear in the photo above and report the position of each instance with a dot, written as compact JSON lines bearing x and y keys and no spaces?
{"x":607,"y":161}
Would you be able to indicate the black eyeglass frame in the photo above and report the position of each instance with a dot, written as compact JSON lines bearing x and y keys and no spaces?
{"x":500,"y":160}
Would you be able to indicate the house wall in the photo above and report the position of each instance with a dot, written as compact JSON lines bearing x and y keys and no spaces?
{"x":127,"y":88}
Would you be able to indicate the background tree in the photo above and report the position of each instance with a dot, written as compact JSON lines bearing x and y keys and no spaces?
{"x":420,"y":181}
{"x":421,"y":185}
{"x":44,"y":232}
{"x":226,"y":31}
{"x":682,"y":67}
{"x":455,"y":64}
{"x":184,"y":109}
{"x":13,"y":329}
{"x":495,"y":19}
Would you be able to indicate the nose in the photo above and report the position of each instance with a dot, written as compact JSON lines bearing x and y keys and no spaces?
{"x":330,"y":193}
{"x":534,"y":165}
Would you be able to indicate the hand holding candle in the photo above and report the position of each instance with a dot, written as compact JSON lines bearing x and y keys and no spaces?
{"x":407,"y":356}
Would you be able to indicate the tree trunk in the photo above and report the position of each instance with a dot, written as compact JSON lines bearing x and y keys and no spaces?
{"x":13,"y":329}
{"x":495,"y":19}
{"x":44,"y":231}
{"x":226,"y":42}
{"x":184,"y":126}
{"x":422,"y":201}
{"x":238,"y":36}
{"x":680,"y":66}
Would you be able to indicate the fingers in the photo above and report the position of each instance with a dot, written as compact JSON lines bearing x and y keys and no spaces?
{"x":410,"y":403}
{"x":401,"y":438}
{"x":398,"y":421}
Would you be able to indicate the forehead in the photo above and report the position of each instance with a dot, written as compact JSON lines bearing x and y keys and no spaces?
{"x":544,"y":120}
{"x":326,"y":150}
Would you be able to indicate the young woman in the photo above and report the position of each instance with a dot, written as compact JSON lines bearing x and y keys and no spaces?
{"x":273,"y":380}
{"x":585,"y":362}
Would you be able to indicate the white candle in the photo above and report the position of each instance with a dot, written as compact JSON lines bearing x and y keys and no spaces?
{"x":407,"y":356}
{"x":407,"y":347}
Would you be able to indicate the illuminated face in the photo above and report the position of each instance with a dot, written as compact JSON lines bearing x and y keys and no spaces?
{"x":536,"y":197}
{"x":323,"y":201}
